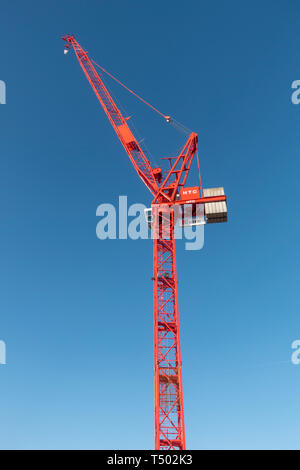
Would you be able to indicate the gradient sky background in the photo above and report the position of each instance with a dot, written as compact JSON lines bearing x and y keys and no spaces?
{"x":76,"y":312}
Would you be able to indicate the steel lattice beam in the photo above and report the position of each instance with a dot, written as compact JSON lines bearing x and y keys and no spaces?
{"x":169,"y":413}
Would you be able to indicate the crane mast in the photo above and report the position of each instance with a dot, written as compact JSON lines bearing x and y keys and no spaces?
{"x":169,"y":411}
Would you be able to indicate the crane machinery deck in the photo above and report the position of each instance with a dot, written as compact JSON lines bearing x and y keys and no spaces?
{"x":169,"y":194}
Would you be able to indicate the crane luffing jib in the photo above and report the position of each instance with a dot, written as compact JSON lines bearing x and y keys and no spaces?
{"x":118,"y":121}
{"x":163,"y":191}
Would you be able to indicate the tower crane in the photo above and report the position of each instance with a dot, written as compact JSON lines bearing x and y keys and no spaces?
{"x":169,"y":194}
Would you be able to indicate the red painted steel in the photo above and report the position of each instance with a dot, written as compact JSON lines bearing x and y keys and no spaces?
{"x":169,"y":413}
{"x":189,"y":193}
{"x":119,"y":123}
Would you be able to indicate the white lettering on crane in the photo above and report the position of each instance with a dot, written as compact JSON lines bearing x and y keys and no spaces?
{"x":189,"y":191}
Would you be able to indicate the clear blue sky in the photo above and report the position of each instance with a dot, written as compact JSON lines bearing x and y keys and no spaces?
{"x":76,"y":312}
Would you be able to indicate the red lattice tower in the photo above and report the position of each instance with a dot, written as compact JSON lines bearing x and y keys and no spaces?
{"x":169,"y":193}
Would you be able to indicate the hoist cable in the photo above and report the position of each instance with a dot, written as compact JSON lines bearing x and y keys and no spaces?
{"x":128,"y":89}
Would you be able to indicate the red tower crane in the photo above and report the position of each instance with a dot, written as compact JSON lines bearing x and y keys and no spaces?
{"x":169,"y":194}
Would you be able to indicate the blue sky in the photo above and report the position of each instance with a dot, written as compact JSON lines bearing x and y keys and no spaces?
{"x":76,"y":312}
